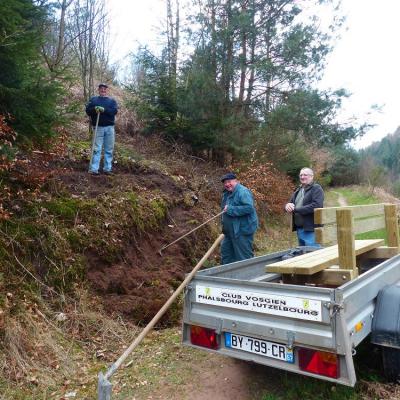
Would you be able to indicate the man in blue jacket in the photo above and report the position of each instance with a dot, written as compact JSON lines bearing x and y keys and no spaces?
{"x":107,"y":108}
{"x":301,"y":205}
{"x":239,"y":221}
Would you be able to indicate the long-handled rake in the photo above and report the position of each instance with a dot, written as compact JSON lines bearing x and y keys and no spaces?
{"x":188,"y":233}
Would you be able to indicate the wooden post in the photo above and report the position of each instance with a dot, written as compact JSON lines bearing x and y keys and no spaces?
{"x":392,"y":226}
{"x":346,"y":245}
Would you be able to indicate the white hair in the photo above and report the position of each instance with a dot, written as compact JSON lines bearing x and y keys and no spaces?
{"x":307,"y":170}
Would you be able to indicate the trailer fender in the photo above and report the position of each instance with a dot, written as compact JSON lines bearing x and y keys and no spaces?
{"x":386,"y":321}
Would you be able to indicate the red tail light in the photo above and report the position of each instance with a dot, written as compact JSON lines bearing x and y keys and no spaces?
{"x":319,"y":362}
{"x":204,"y":337}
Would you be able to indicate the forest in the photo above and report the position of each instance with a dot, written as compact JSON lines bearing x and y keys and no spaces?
{"x":246,"y":88}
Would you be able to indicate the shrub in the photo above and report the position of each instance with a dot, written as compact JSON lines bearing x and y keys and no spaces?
{"x":271,"y":188}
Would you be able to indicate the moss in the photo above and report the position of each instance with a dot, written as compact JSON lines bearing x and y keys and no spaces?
{"x":87,"y":205}
{"x":126,"y":156}
{"x":77,"y":148}
{"x":146,"y":214}
{"x":135,"y":211}
{"x":76,"y":271}
{"x":76,"y":240}
{"x":133,"y":199}
{"x":159,"y":207}
{"x":112,"y":253}
{"x":47,"y":247}
{"x":188,"y":199}
{"x":23,"y":231}
{"x":174,"y":283}
{"x":63,"y":208}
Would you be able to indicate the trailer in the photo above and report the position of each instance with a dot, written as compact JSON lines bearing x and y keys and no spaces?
{"x":306,"y":310}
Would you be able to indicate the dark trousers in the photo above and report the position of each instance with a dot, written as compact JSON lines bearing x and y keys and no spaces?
{"x":236,"y":249}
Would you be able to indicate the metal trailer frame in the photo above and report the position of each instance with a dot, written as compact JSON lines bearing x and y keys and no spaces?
{"x":343,"y":307}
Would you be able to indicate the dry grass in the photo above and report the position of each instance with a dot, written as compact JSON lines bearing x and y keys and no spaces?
{"x":33,"y":351}
{"x":275,"y":235}
{"x":86,"y":323}
{"x":381,"y":391}
{"x":51,"y":351}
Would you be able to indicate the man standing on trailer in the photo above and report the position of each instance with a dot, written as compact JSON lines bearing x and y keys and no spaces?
{"x":239,"y":221}
{"x":305,"y":199}
{"x":107,"y":108}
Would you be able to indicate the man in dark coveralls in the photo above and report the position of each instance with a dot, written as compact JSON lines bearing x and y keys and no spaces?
{"x":239,"y":220}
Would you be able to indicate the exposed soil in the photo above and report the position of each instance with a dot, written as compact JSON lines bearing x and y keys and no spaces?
{"x":225,"y":379}
{"x":75,"y":177}
{"x":144,"y":278}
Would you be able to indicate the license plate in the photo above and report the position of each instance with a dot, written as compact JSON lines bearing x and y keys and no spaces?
{"x":258,"y":346}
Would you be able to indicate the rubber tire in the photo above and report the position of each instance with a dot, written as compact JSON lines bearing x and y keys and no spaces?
{"x":391,"y":363}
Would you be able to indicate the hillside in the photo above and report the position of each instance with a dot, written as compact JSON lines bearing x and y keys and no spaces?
{"x":386,"y":152}
{"x":80,"y":261}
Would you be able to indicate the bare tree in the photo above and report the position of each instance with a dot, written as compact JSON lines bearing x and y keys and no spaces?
{"x":78,"y":36}
{"x":54,"y":49}
{"x":173,"y":43}
{"x":88,"y":34}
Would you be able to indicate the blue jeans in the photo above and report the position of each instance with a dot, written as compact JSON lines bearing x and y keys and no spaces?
{"x":105,"y":137}
{"x":306,"y":238}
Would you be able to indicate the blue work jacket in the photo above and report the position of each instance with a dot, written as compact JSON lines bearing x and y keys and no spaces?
{"x":107,"y":117}
{"x":240,"y":217}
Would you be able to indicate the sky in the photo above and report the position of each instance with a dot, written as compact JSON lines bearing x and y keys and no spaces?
{"x":365,"y":60}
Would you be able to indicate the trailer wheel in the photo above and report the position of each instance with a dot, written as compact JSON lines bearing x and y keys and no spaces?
{"x":391,"y":363}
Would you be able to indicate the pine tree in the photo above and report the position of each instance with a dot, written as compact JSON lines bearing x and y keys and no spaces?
{"x":28,"y":94}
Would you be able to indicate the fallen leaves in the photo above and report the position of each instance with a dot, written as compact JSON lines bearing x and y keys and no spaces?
{"x":270,"y":187}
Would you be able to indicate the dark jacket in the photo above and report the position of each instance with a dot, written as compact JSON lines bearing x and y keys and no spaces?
{"x":240,"y":217}
{"x":107,"y":117}
{"x":313,"y":198}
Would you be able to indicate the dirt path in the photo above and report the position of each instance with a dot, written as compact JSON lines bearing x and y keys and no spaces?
{"x":341,"y":199}
{"x":222,"y":379}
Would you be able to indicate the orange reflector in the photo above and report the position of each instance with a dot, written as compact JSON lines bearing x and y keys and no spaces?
{"x":358,"y":327}
{"x":319,"y":362}
{"x":203,"y":337}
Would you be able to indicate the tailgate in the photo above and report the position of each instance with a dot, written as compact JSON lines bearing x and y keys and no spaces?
{"x":287,"y":314}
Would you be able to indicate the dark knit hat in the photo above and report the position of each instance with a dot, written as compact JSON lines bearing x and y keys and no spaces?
{"x":229,"y":175}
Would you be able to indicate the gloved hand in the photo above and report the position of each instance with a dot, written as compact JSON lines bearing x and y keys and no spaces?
{"x":99,"y":109}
